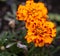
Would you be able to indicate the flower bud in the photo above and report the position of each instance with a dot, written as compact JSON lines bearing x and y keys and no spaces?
{"x":12,"y":23}
{"x":2,"y":48}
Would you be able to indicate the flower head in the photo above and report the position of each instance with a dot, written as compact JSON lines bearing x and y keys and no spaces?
{"x":41,"y":33}
{"x":30,"y":12}
{"x":40,"y":30}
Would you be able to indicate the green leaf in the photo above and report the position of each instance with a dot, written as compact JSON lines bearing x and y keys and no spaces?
{"x":58,"y":28}
{"x":56,"y":49}
{"x":5,"y":53}
{"x":9,"y":45}
{"x":54,"y":16}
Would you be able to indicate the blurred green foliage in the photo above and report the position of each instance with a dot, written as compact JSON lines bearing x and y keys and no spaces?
{"x":12,"y":37}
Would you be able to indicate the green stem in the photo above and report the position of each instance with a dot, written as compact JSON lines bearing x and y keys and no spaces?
{"x":43,"y":49}
{"x":31,"y":51}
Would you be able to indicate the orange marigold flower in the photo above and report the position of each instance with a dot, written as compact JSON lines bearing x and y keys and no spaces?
{"x":40,"y":30}
{"x":41,"y":33}
{"x":29,"y":11}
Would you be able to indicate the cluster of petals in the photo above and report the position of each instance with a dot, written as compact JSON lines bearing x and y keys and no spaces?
{"x":31,"y":10}
{"x":41,"y":31}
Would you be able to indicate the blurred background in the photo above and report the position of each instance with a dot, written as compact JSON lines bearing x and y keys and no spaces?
{"x":8,"y":10}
